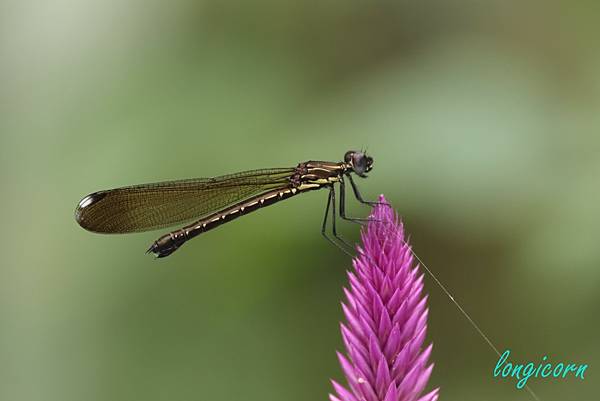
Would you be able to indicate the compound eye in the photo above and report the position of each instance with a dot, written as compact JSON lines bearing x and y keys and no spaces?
{"x":359,"y":163}
{"x":369,"y":163}
{"x":348,"y":156}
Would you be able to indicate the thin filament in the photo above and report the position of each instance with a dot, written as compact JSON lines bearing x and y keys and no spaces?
{"x":460,"y":308}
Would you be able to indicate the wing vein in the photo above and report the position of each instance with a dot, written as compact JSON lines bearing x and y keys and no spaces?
{"x":157,"y":205}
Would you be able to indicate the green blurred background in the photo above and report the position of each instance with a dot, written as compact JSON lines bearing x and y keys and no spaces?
{"x":483,"y":121}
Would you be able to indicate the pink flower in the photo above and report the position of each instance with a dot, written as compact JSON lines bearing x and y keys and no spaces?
{"x":386,"y":318}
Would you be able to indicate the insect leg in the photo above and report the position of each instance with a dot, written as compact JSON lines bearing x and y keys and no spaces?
{"x":330,"y":204}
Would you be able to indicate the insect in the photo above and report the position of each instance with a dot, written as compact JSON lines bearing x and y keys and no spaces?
{"x":211,"y":202}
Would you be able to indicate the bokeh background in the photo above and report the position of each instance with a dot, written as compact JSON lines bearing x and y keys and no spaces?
{"x":483,"y":121}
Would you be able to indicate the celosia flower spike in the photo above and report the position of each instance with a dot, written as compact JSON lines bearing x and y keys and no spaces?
{"x":386,"y":318}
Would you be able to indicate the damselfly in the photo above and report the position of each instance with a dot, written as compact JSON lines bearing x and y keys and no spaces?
{"x":212,"y":202}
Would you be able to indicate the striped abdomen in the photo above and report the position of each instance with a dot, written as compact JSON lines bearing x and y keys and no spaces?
{"x":169,"y":243}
